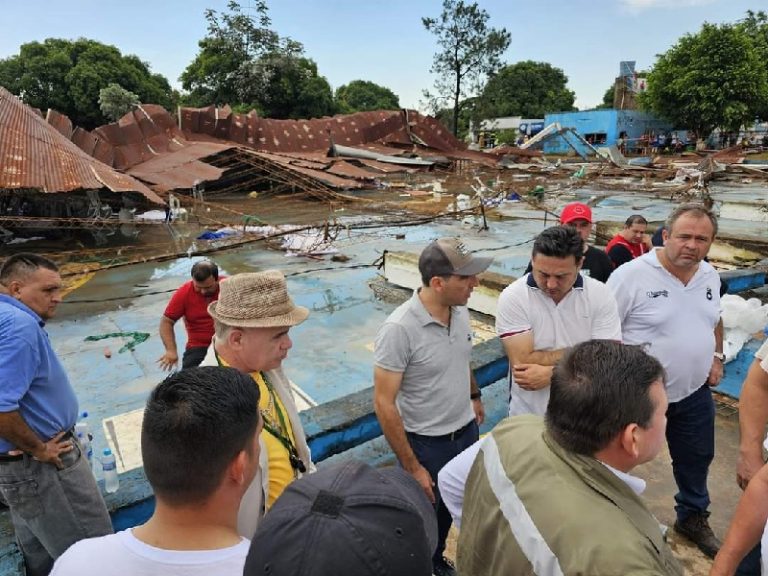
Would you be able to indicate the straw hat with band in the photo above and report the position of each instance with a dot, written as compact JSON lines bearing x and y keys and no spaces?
{"x":256,"y":300}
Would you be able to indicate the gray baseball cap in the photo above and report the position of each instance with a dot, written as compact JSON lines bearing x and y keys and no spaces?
{"x":448,"y":256}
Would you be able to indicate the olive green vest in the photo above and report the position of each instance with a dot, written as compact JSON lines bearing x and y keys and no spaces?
{"x":530,"y":507}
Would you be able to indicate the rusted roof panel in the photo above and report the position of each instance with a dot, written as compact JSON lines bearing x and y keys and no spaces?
{"x":384,"y":168}
{"x":61,"y":122}
{"x":85,"y":140}
{"x":182,"y":168}
{"x":433,"y":133}
{"x":34,"y":155}
{"x":347,"y":170}
{"x":149,"y":144}
{"x":385,"y":126}
{"x":320,"y":175}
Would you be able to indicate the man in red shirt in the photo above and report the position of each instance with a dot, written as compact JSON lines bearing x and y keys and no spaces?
{"x":629,"y":243}
{"x":190,"y":302}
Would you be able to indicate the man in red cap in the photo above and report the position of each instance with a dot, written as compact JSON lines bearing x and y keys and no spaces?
{"x":596,"y":263}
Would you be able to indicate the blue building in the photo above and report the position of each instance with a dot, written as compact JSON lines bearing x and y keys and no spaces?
{"x":604,"y":127}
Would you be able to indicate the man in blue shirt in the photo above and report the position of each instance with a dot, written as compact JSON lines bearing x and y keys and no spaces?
{"x":44,"y":478}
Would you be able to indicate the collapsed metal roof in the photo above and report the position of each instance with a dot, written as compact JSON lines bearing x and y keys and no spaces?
{"x":35,"y":155}
{"x":213,"y":144}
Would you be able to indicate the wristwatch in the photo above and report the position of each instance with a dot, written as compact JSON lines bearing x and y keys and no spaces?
{"x":720,"y":356}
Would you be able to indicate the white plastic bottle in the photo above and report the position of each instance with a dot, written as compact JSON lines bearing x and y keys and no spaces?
{"x":109,"y":467}
{"x":85,"y":447}
{"x":83,"y":435}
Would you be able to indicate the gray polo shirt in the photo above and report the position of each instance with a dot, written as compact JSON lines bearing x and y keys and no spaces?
{"x":434,"y":360}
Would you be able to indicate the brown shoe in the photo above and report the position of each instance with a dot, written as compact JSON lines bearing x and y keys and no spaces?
{"x":696,"y":528}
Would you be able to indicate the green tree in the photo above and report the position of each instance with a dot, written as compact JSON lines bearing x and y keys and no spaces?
{"x":466,"y":117}
{"x":67,"y":76}
{"x":291,"y":88}
{"x":244,"y":63}
{"x":711,"y":79}
{"x":607,"y":99}
{"x":362,"y":96}
{"x":528,"y":89}
{"x":219,"y":72}
{"x":115,"y":101}
{"x":755,"y":25}
{"x":468,"y":51}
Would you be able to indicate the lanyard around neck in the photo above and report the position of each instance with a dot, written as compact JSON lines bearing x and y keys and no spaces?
{"x":280,"y":434}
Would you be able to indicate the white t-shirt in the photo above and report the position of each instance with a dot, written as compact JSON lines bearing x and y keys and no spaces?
{"x":122,"y":553}
{"x":675,"y":322}
{"x":587,"y":312}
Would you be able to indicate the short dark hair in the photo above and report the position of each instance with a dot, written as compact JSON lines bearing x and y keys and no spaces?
{"x":196,"y":421}
{"x":23,"y":264}
{"x":698,"y":210}
{"x":599,"y":388}
{"x":635,"y":219}
{"x":559,"y":242}
{"x":204,"y":269}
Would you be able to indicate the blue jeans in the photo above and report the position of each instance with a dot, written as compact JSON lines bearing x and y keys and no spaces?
{"x":433,"y":453}
{"x":52,"y":509}
{"x":691,"y":441}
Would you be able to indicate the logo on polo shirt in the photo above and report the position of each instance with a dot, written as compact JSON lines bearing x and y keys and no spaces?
{"x":709,"y":293}
{"x":658,"y":293}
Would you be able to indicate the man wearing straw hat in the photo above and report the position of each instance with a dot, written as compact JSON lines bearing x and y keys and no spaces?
{"x":252,"y":318}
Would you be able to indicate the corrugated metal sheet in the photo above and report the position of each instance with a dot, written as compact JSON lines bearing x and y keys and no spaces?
{"x":181,"y":168}
{"x":35,"y":155}
{"x":148,"y":144}
{"x":388,"y":127}
{"x":347,"y":170}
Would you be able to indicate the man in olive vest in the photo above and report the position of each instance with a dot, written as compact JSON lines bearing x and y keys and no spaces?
{"x":554,"y":496}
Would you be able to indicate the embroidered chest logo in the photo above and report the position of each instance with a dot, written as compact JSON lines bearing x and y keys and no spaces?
{"x":657,"y":293}
{"x":709,"y":293}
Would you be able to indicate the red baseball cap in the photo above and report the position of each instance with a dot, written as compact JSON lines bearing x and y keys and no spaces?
{"x":576,"y":211}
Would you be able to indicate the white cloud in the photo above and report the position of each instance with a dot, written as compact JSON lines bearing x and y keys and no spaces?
{"x":640,"y":5}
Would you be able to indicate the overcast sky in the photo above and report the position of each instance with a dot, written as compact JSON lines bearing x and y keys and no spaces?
{"x":384,"y":40}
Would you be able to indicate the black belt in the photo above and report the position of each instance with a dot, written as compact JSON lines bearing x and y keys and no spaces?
{"x":5,"y":457}
{"x":451,"y":436}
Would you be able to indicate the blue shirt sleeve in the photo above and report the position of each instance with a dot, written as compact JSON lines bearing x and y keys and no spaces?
{"x":19,"y":358}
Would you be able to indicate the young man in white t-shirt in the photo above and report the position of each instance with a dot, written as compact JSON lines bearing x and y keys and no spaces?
{"x":200,"y":445}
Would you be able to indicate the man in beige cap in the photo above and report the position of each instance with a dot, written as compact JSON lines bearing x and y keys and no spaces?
{"x":251,"y":319}
{"x":425,"y":395}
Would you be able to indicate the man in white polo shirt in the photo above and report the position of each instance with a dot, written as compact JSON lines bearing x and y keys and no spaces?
{"x":545,"y":312}
{"x":425,"y":395}
{"x":669,"y":300}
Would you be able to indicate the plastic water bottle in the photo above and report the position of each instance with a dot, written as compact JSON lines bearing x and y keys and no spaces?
{"x":86,"y":447}
{"x":83,"y":435}
{"x":109,"y":467}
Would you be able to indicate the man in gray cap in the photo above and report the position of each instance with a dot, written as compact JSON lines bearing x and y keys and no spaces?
{"x":425,"y":396}
{"x":252,"y":318}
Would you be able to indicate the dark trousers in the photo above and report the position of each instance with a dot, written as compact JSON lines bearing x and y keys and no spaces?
{"x":434,"y":452}
{"x":750,"y":565}
{"x":193,"y":356}
{"x":691,"y":441}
